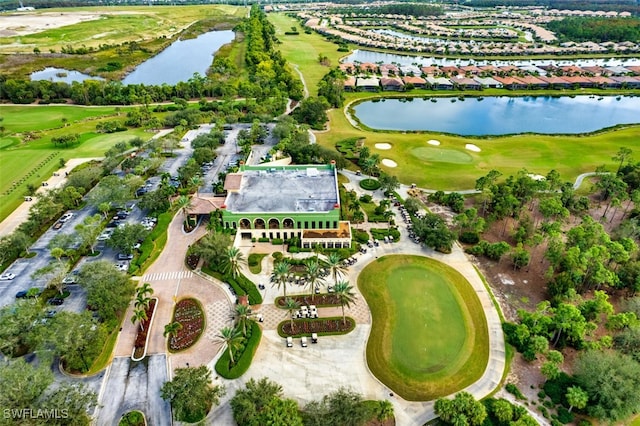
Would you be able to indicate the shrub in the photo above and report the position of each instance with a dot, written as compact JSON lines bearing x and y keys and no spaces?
{"x":542,"y":394}
{"x":360,"y":236}
{"x":243,"y":285}
{"x":369,"y":184}
{"x":263,"y":240}
{"x":277,"y":256}
{"x":556,"y":389}
{"x":513,"y":389}
{"x":564,"y":416}
{"x":469,"y":238}
{"x":277,"y":241}
{"x":243,"y":358}
{"x":544,"y":412}
{"x":254,"y":259}
{"x":379,"y":234}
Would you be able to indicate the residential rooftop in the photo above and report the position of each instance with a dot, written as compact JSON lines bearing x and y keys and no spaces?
{"x":283,"y":189}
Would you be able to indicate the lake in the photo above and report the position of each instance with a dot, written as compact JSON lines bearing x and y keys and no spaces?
{"x":181,"y":60}
{"x":61,"y":75}
{"x":363,"y":55}
{"x":176,"y":63}
{"x":500,"y":115}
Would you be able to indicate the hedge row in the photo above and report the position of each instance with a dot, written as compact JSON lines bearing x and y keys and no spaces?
{"x":379,"y":234}
{"x":243,"y":285}
{"x":147,"y":246}
{"x":243,"y":360}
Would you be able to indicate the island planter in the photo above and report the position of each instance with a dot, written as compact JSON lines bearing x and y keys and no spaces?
{"x":321,"y":326}
{"x":189,"y":313}
{"x":319,"y":300}
{"x":142,"y":337}
{"x":133,"y":418}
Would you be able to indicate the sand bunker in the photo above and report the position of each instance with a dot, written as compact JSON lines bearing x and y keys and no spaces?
{"x":389,"y":163}
{"x":383,"y":146}
{"x":433,"y":142}
{"x":536,"y":177}
{"x":472,"y":147}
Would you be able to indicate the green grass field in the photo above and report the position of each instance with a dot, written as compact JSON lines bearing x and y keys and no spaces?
{"x":32,"y":160}
{"x":303,"y":50}
{"x":429,"y":334}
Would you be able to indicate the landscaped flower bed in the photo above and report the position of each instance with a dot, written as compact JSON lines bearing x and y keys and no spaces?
{"x":320,"y":300}
{"x":189,"y":314}
{"x":143,"y":330}
{"x":192,"y":260}
{"x":321,"y":326}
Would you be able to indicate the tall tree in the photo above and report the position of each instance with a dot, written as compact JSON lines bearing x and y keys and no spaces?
{"x":577,"y":397}
{"x":344,"y":291}
{"x":462,"y":409}
{"x":108,"y":291}
{"x":280,"y":275}
{"x":336,"y":267}
{"x":314,"y":275}
{"x":622,"y":154}
{"x":243,"y":316}
{"x":292,"y":306}
{"x":233,"y":261}
{"x":191,"y":393}
{"x":261,"y":402}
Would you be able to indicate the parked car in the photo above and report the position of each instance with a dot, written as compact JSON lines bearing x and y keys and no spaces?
{"x":123,"y":256}
{"x":106,"y":234}
{"x":66,"y":217}
{"x":70,"y":279}
{"x":56,"y":301}
{"x":7,"y":276}
{"x":21,"y":294}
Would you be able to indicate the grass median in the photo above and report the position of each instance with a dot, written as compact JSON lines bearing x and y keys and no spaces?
{"x":429,"y":334}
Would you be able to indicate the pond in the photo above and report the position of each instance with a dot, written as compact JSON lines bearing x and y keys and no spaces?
{"x":176,"y":63}
{"x":500,"y":115}
{"x":62,"y":75}
{"x":363,"y":55}
{"x":181,"y":60}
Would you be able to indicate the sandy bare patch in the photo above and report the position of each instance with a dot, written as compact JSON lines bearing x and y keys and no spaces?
{"x":536,"y":177}
{"x":34,"y":22}
{"x":433,"y":142}
{"x":389,"y":163}
{"x":383,"y":146}
{"x":472,"y":147}
{"x":506,"y":280}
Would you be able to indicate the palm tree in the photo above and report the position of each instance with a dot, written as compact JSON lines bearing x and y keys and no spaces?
{"x":231,"y":337}
{"x":172,"y":329}
{"x":291,"y":305}
{"x":233,"y":261}
{"x":336,"y":266}
{"x":243,"y":315}
{"x":142,"y":301}
{"x":346,"y":296}
{"x":280,"y":274}
{"x":196,"y":181}
{"x":145,"y":289}
{"x":139,"y":315}
{"x":184,"y":204}
{"x":313,"y":271}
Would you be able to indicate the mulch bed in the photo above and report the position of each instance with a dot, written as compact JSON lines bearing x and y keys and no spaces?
{"x":319,"y":325}
{"x":190,"y":315}
{"x":320,"y":300}
{"x":143,"y":329}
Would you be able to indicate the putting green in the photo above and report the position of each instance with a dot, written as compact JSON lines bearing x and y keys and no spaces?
{"x":429,"y":334}
{"x":441,"y":155}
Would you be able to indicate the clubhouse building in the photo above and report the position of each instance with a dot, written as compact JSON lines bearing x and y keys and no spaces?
{"x":284,"y":202}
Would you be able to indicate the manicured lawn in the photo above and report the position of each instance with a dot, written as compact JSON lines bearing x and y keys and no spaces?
{"x":303,"y":50}
{"x":452,"y":167}
{"x":34,"y":161}
{"x":429,"y":334}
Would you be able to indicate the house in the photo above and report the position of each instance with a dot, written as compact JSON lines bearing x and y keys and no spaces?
{"x":410,"y":70}
{"x":386,"y":69}
{"x":603,"y":82}
{"x":488,"y":82}
{"x":416,"y":82}
{"x":350,"y":84}
{"x":533,"y":82}
{"x":465,"y":83}
{"x":368,"y":67}
{"x":556,"y":82}
{"x":634,"y":69}
{"x":286,"y":202}
{"x":348,"y":68}
{"x":430,"y":71}
{"x":368,"y":84}
{"x":439,"y":83}
{"x":580,"y":81}
{"x":627,"y":81}
{"x":391,"y":83}
{"x":618,"y":70}
{"x":595,"y":70}
{"x":451,"y":71}
{"x":470,"y":69}
{"x":511,"y":83}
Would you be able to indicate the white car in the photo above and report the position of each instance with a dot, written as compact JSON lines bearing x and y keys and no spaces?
{"x":122,"y":266}
{"x":7,"y":276}
{"x":70,"y":279}
{"x":66,"y":217}
{"x":106,"y":234}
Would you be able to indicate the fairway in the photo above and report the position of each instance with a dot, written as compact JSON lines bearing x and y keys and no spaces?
{"x":441,"y":155}
{"x":429,"y":333}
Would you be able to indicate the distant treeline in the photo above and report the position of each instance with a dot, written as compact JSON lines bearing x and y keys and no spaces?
{"x":596,"y":29}
{"x":632,"y":6}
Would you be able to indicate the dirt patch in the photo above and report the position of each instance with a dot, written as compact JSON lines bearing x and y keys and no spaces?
{"x":17,"y":24}
{"x":389,"y":163}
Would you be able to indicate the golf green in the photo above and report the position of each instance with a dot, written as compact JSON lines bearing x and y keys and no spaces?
{"x":429,"y":334}
{"x":442,"y":155}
